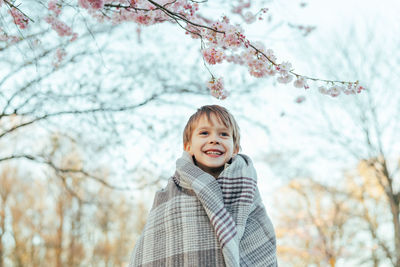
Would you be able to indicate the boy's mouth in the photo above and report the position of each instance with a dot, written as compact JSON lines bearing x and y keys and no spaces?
{"x":214,"y":152}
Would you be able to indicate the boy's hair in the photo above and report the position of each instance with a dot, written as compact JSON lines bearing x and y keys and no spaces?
{"x":222,"y":115}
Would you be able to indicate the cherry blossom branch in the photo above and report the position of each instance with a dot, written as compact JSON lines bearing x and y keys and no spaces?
{"x":172,"y":14}
{"x":19,"y":10}
{"x":213,"y":55}
{"x":222,"y":39}
{"x":258,"y":51}
{"x":292,"y":72}
{"x":128,"y":7}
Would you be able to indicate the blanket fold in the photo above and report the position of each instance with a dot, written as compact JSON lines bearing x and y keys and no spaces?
{"x":198,"y":220}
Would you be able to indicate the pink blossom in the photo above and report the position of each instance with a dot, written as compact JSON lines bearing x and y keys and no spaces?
{"x":284,"y":67}
{"x":213,"y":56}
{"x":191,"y":8}
{"x":257,"y":67}
{"x":59,"y":56}
{"x":84,"y":4}
{"x":143,"y":19}
{"x":323,"y":90}
{"x":217,"y":89}
{"x":3,"y":37}
{"x":285,"y":78}
{"x":237,"y":59}
{"x":231,"y":37}
{"x":299,"y":82}
{"x":271,"y":71}
{"x":300,"y":99}
{"x":140,"y":17}
{"x":261,"y":13}
{"x":360,"y":88}
{"x":91,"y":4}
{"x":193,"y":31}
{"x":335,"y":90}
{"x":249,"y":17}
{"x":96,"y":4}
{"x":306,"y":30}
{"x":55,"y":7}
{"x":349,"y":90}
{"x":19,"y":19}
{"x":74,"y":37}
{"x":239,"y":8}
{"x":356,"y":87}
{"x":60,"y":27}
{"x":353,"y":88}
{"x":270,"y":54}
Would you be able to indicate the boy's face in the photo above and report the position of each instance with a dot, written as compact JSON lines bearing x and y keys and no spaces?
{"x":211,"y":145}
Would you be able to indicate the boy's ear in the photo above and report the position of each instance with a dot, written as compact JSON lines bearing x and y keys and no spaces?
{"x":236,"y":150}
{"x":186,"y":147}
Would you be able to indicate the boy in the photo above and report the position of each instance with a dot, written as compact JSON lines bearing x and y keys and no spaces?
{"x":210,"y":213}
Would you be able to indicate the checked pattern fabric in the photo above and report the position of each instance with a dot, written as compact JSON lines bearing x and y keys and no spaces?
{"x":198,"y":220}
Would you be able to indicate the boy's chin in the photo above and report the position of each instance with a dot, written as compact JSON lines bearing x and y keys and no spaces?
{"x":205,"y":166}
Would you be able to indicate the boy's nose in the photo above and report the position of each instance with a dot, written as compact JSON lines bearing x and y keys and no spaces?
{"x":214,"y":139}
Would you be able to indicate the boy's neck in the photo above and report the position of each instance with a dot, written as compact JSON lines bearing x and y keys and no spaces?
{"x":215,"y":172}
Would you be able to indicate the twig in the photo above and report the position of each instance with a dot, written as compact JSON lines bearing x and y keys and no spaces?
{"x":13,"y":6}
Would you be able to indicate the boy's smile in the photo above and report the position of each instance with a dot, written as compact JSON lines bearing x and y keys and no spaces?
{"x":211,"y":145}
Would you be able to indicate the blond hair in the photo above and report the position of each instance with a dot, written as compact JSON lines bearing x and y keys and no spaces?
{"x":222,"y":114}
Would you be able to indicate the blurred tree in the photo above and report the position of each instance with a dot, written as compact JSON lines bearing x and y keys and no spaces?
{"x":311,"y":226}
{"x":371,"y":215}
{"x":6,"y":186}
{"x":360,"y":131}
{"x":324,"y":225}
{"x":64,"y":218}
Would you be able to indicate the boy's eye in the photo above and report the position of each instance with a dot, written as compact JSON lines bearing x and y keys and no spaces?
{"x":203,"y":132}
{"x":224,"y":134}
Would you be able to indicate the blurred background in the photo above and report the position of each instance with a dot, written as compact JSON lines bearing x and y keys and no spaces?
{"x":86,"y":141}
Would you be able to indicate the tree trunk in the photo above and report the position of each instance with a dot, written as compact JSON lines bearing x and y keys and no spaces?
{"x":2,"y":226}
{"x":71,"y":253}
{"x":1,"y":251}
{"x":394,"y":207}
{"x":60,"y":211}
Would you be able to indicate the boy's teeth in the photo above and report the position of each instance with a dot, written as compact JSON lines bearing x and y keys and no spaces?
{"x":214,"y":152}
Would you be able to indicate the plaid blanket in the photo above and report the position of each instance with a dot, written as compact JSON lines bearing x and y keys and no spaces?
{"x":198,"y":220}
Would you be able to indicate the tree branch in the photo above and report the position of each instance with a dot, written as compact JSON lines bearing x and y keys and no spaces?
{"x":78,"y":112}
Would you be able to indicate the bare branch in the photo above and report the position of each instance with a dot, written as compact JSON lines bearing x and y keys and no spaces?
{"x":78,"y":112}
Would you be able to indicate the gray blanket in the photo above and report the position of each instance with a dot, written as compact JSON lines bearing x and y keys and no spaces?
{"x":198,"y":220}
